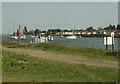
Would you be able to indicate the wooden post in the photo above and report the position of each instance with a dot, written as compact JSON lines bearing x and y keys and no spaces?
{"x":112,"y":35}
{"x":112,"y":43}
{"x":106,"y":44}
{"x":45,"y":40}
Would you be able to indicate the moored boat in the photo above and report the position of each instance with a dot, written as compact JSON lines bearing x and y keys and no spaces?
{"x":50,"y":38}
{"x":23,"y":37}
{"x":71,"y":37}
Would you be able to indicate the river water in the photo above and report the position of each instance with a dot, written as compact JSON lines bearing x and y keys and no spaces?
{"x":91,"y":42}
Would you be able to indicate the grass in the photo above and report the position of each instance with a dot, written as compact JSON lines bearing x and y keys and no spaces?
{"x":0,"y":64}
{"x":25,"y":68}
{"x":92,"y":53}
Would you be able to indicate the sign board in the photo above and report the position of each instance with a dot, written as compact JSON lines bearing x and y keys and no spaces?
{"x":112,"y":34}
{"x":109,"y":40}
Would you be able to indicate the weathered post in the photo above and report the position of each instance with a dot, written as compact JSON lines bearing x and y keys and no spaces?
{"x":112,"y":35}
{"x":106,"y":44}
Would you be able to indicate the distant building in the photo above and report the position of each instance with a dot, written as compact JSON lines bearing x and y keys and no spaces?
{"x":94,"y":32}
{"x":83,"y":33}
{"x":89,"y":33}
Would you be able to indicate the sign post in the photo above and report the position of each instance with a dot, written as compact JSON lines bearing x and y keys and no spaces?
{"x":109,"y":41}
{"x":112,"y":35}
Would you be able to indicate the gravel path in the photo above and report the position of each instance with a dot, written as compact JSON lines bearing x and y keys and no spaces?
{"x":62,"y":57}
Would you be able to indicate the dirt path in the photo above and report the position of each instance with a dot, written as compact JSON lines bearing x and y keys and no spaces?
{"x":61,"y":57}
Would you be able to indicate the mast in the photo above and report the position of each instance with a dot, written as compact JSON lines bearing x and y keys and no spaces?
{"x":74,"y":30}
{"x":50,"y":29}
{"x":13,"y":27}
{"x":109,"y":25}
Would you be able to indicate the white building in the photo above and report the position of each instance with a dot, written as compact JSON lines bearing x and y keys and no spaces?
{"x":94,"y":32}
{"x":89,"y":33}
{"x":83,"y":32}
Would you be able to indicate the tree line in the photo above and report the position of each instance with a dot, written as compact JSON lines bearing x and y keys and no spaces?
{"x":38,"y":31}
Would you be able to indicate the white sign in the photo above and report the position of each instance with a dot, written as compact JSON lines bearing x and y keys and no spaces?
{"x":109,"y":40}
{"x":112,"y":34}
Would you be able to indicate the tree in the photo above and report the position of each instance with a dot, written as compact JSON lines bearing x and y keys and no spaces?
{"x":113,"y":27}
{"x":65,"y":30}
{"x":110,"y":26}
{"x":25,"y":31}
{"x":49,"y":31}
{"x":43,"y":31}
{"x":99,"y":28}
{"x":31,"y":32}
{"x":59,"y":30}
{"x":37,"y":32}
{"x":90,"y":29}
{"x":25,"y":28}
{"x":118,"y":26}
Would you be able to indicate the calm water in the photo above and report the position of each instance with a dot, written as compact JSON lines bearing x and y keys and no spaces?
{"x":82,"y":41}
{"x":87,"y":42}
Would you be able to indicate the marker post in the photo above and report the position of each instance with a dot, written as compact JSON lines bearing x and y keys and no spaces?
{"x":106,"y":44}
{"x":112,"y":35}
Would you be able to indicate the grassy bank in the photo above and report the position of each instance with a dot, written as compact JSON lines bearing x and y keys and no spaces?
{"x":24,"y":68}
{"x":0,"y":65}
{"x":70,"y":50}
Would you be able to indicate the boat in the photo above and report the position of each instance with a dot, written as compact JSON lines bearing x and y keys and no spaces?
{"x":13,"y":37}
{"x":32,"y":36}
{"x":80,"y":36}
{"x":71,"y":37}
{"x":50,"y":38}
{"x":23,"y":37}
{"x":16,"y":37}
{"x":61,"y":36}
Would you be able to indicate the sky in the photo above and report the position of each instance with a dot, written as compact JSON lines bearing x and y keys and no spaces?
{"x":119,"y":13}
{"x":63,"y":15}
{"x":1,"y":18}
{"x":60,"y":0}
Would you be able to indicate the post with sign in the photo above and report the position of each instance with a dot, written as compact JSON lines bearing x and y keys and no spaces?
{"x":109,"y":41}
{"x":106,"y":42}
{"x":112,"y":35}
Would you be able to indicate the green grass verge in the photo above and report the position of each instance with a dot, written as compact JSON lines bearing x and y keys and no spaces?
{"x":0,"y":65}
{"x":93,"y":53}
{"x":25,"y":68}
